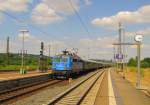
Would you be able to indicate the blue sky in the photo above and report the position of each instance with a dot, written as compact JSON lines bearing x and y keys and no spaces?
{"x":62,"y":28}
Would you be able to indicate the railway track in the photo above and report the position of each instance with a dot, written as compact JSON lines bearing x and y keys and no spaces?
{"x":146,"y":91}
{"x":20,"y":91}
{"x":76,"y":94}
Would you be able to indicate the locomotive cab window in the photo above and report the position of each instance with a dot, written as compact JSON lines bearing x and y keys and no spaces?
{"x":75,"y":60}
{"x":56,"y":59}
{"x":64,"y":59}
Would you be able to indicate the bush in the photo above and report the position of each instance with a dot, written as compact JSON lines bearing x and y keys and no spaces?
{"x":15,"y":61}
{"x":145,"y":63}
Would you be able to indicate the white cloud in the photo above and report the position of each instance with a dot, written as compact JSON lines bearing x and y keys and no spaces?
{"x":104,"y":42}
{"x":32,"y":45}
{"x":26,"y":36}
{"x":42,"y":14}
{"x":29,"y":38}
{"x":49,"y":11}
{"x":1,"y":18}
{"x":14,"y":5}
{"x":88,"y":2}
{"x":143,"y":46}
{"x":63,"y":6}
{"x":142,"y":15}
{"x":144,"y":32}
{"x":96,"y":48}
{"x":58,"y":43}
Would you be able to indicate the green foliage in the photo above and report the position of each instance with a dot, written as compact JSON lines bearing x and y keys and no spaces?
{"x":31,"y":61}
{"x":142,"y":72}
{"x":134,"y":69}
{"x":132,"y":62}
{"x":145,"y":63}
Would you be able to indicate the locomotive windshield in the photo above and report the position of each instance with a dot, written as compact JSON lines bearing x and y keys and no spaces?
{"x":60,"y":59}
{"x":64,"y":58}
{"x":56,"y":59}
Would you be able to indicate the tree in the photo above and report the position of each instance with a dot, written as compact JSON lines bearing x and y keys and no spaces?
{"x":132,"y":62}
{"x":145,"y":62}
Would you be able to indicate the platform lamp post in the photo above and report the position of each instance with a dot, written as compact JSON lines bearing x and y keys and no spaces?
{"x":22,"y":70}
{"x":138,"y":39}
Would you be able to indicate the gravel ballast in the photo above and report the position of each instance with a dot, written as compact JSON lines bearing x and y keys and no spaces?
{"x":42,"y":97}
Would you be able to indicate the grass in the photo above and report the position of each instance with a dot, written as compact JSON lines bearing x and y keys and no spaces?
{"x":17,"y":67}
{"x":134,"y":69}
{"x":131,"y":75}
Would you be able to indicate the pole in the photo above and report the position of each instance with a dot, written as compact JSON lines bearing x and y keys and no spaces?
{"x":88,"y":52}
{"x":123,"y":51}
{"x":138,"y":66}
{"x":120,"y":39}
{"x":49,"y":50}
{"x":55,"y":49}
{"x":23,"y":71}
{"x":22,"y":64}
{"x":7,"y":50}
{"x":120,"y":66}
{"x":114,"y":56}
{"x":138,"y":39}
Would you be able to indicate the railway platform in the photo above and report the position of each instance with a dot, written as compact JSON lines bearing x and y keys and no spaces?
{"x":101,"y":87}
{"x":127,"y":93}
{"x":14,"y":80}
{"x":118,"y":91}
{"x":16,"y":75}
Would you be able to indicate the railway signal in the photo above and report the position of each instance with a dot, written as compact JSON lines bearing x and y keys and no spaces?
{"x":42,"y":59}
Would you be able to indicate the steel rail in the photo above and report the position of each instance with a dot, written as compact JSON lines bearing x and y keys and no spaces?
{"x":89,"y":88}
{"x":25,"y":90}
{"x":24,"y":86}
{"x":146,"y":90}
{"x":68,"y":91}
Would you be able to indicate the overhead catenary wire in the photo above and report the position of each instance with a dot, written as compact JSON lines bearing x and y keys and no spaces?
{"x":79,"y":17}
{"x":39,"y":1}
{"x":21,"y":21}
{"x":29,"y":24}
{"x":39,"y":29}
{"x":82,"y":23}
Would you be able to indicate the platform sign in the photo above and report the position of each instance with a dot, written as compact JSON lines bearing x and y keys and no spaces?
{"x":119,"y":56}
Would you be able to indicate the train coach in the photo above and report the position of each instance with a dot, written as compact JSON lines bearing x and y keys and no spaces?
{"x":68,"y":64}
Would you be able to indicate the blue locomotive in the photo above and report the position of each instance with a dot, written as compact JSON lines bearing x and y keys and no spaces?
{"x":68,"y":64}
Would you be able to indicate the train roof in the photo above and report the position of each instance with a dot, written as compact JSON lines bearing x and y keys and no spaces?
{"x":85,"y":60}
{"x":99,"y":62}
{"x":72,"y":55}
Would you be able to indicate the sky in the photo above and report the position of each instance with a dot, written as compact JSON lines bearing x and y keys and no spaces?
{"x":89,"y":25}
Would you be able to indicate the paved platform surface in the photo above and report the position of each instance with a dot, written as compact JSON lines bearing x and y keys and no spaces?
{"x":102,"y":96}
{"x":127,"y":94}
{"x":15,"y":75}
{"x":117,"y":91}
